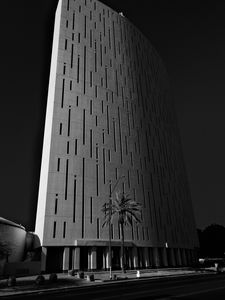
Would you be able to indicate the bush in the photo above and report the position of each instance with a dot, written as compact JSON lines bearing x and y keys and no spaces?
{"x":71,"y":272}
{"x":53,"y":277}
{"x":80,"y":275}
{"x":40,"y":280}
{"x":11,"y":281}
{"x":90,"y":277}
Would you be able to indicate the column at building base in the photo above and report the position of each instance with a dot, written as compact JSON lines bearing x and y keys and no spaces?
{"x":194,"y":256}
{"x":164,"y":257}
{"x":43,"y":259}
{"x":107,"y":258}
{"x":178,"y":257}
{"x":135,"y":257}
{"x":104,"y":259}
{"x":183,"y":257}
{"x":150,"y":255}
{"x":92,"y":258}
{"x":191,"y":257}
{"x":76,"y":258}
{"x":141,"y":257}
{"x":66,"y":254}
{"x":146,"y":258}
{"x":156,"y":259}
{"x":124,"y":257}
{"x":130,"y":258}
{"x":172,"y":261}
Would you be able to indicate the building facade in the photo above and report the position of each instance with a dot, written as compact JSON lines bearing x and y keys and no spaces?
{"x":110,"y":120}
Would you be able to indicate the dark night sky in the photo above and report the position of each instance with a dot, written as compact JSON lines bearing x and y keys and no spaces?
{"x":191,"y":41}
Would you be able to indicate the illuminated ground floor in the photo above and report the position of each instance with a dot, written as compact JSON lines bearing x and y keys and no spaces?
{"x":87,"y":258}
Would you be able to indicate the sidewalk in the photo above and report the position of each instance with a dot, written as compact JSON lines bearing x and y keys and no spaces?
{"x":27,"y":285}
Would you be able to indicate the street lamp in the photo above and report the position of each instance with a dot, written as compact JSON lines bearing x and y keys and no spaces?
{"x":110,"y":215}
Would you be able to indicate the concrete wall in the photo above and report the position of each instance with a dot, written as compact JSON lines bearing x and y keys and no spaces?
{"x":22,"y":268}
{"x":14,"y":239}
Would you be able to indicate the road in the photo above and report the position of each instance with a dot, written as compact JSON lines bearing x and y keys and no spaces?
{"x":184,"y":287}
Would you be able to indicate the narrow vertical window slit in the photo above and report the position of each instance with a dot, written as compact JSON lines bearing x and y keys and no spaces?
{"x":58,"y":164}
{"x":84,"y":69}
{"x":106,"y":79}
{"x":101,"y":55}
{"x":74,"y":200}
{"x":82,"y":215}
{"x":68,"y":147}
{"x":84,"y":127}
{"x":66,"y":182}
{"x":114,"y":40}
{"x":78,"y":68}
{"x":96,"y":179}
{"x":63,"y":87}
{"x":90,"y":38}
{"x":107,"y":118}
{"x":120,"y":137}
{"x":68,"y":129}
{"x":91,"y":143}
{"x":90,"y":107}
{"x":104,"y":167}
{"x":54,"y":229}
{"x":73,"y":20}
{"x":85,"y":26}
{"x":91,"y":210}
{"x":114,"y":135}
{"x":98,"y":228}
{"x":64,"y":229}
{"x":90,"y":78}
{"x":56,"y":205}
{"x":75,"y":147}
{"x":71,"y":56}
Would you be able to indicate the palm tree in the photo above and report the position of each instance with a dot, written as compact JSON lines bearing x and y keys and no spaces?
{"x":127,"y":210}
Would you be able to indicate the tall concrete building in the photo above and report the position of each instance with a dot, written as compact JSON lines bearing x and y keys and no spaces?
{"x":109,"y":114}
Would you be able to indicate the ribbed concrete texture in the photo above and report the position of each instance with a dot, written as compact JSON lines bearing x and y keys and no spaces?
{"x":109,"y":114}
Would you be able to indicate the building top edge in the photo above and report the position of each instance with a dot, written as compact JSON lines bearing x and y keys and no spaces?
{"x":10,"y":223}
{"x":126,"y":19}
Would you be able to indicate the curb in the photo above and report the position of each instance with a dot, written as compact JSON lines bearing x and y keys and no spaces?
{"x":86,"y":284}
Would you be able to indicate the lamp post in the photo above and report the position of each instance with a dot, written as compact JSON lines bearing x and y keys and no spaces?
{"x":110,"y":215}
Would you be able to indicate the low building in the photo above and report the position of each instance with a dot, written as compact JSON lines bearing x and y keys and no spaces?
{"x":19,"y":250}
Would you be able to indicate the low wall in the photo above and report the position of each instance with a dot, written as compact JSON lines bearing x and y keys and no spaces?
{"x":22,"y":268}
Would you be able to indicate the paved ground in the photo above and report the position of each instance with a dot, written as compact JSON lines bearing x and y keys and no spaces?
{"x":27,"y":285}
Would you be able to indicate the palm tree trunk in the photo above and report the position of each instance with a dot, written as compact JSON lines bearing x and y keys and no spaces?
{"x":122,"y":246}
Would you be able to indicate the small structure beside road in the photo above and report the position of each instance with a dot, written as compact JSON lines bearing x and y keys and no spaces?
{"x":19,"y":250}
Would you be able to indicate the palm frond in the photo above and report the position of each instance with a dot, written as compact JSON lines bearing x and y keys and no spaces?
{"x":124,"y":207}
